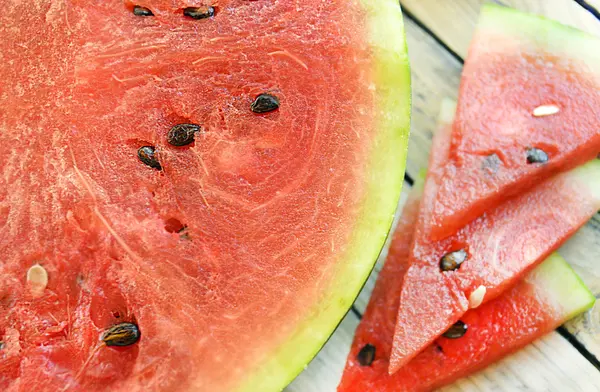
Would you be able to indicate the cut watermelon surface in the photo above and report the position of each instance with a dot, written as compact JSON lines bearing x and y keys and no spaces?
{"x":527,"y":109}
{"x":448,"y":277}
{"x":549,"y":295}
{"x":208,"y":187}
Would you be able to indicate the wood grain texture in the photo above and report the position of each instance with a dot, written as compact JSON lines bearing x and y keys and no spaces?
{"x":550,"y":364}
{"x":453,"y":21}
{"x":583,"y":251}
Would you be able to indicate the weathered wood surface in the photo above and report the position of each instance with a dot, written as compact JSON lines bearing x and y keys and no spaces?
{"x":552,"y":363}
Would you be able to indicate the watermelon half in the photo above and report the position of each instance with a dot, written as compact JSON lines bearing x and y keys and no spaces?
{"x":192,"y":195}
{"x":527,"y":109}
{"x":549,"y":295}
{"x":447,"y":278}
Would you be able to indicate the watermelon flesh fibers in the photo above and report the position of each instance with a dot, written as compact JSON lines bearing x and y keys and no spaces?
{"x":545,"y":298}
{"x":501,"y":245}
{"x":236,"y":255}
{"x":528,"y":83}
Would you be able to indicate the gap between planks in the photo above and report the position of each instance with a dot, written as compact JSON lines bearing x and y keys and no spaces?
{"x":592,"y":6}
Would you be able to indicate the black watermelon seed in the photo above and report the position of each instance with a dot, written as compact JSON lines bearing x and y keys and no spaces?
{"x":458,"y":330}
{"x":453,"y":260}
{"x":199,"y":12}
{"x":265,"y":103}
{"x":535,"y":155}
{"x":2,"y":344}
{"x":366,"y":355}
{"x":122,"y":334}
{"x":182,"y":134}
{"x":147,"y":155}
{"x":142,"y":11}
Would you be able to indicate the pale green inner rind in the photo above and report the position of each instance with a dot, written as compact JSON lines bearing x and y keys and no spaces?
{"x":556,"y":280}
{"x":587,"y":178}
{"x":383,"y":187}
{"x":548,"y":35}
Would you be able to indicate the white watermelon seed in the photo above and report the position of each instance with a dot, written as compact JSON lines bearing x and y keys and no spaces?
{"x":37,"y":279}
{"x":545,"y":110}
{"x":476,"y":297}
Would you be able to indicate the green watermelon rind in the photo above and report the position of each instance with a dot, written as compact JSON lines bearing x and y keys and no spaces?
{"x":562,"y":286}
{"x":552,"y":37}
{"x":384,"y":184}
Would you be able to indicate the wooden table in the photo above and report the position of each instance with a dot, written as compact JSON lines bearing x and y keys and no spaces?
{"x":438,"y":34}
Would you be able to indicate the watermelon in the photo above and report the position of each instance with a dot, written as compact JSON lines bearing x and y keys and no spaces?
{"x":527,"y":109}
{"x":448,"y":277}
{"x":549,"y":295}
{"x":192,"y":195}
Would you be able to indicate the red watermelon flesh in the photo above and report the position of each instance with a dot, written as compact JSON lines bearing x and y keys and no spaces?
{"x":550,"y":295}
{"x":545,"y":298}
{"x":229,"y":258}
{"x":528,"y":83}
{"x":500,"y":247}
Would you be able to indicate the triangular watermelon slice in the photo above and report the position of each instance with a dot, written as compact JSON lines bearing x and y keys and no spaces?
{"x":527,"y":109}
{"x":191,"y":196}
{"x":547,"y":296}
{"x":448,"y":277}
